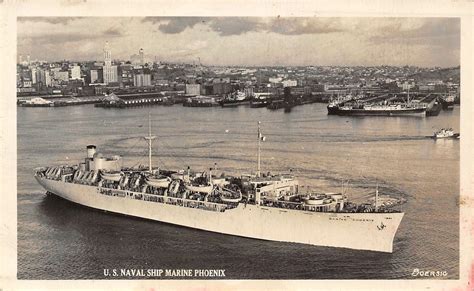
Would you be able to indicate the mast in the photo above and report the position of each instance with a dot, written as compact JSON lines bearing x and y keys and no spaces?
{"x":408,"y":93}
{"x":149,"y":138}
{"x":377,"y":197}
{"x":258,"y":152}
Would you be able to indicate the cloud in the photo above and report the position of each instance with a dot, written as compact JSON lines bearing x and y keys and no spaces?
{"x":112,"y":32}
{"x":58,"y":38}
{"x":429,"y":31}
{"x":173,"y":25}
{"x":298,"y":26}
{"x":248,"y":40}
{"x":227,"y":26}
{"x":68,"y":37}
{"x":52,"y":20}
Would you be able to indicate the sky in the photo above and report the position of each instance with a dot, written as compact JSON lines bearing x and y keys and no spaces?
{"x":247,"y":41}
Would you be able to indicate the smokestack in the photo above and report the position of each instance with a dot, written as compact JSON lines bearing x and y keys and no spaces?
{"x":90,"y":151}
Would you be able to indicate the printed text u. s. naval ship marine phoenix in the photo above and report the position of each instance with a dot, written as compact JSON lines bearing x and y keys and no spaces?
{"x":267,"y":207}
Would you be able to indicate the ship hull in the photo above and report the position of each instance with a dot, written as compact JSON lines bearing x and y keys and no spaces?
{"x":363,"y":231}
{"x":234,"y":103}
{"x":332,"y":110}
{"x":258,"y":104}
{"x":361,"y":112}
{"x":435,"y":110}
{"x":448,"y":105}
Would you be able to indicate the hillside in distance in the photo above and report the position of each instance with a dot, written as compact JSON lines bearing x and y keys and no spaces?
{"x":438,"y":74}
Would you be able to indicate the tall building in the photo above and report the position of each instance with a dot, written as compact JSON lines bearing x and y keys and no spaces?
{"x":107,"y":55}
{"x":193,"y":89}
{"x":142,"y":80}
{"x":33,"y":75}
{"x":110,"y":72}
{"x":142,"y":57}
{"x":61,"y":76}
{"x":94,"y":76}
{"x":126,"y":76}
{"x":221,"y":88}
{"x":75,"y":72}
{"x":290,"y":83}
{"x":40,"y":76}
{"x":47,"y":79}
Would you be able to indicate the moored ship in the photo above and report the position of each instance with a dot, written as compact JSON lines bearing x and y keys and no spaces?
{"x":37,"y":102}
{"x":447,"y":102}
{"x":235,"y":99}
{"x":269,"y":207}
{"x":356,"y":107}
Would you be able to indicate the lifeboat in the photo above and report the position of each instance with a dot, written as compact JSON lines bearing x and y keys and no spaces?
{"x":229,"y":196}
{"x":81,"y":175}
{"x":177,"y":176}
{"x":124,"y":181}
{"x":111,"y":176}
{"x":50,"y":172}
{"x":57,"y":173}
{"x":158,"y":182}
{"x":335,"y":196}
{"x":174,"y":186}
{"x":199,"y":188}
{"x":137,"y":181}
{"x":94,"y":177}
{"x":220,"y":181}
{"x":86,"y":176}
{"x":314,"y":200}
{"x":76,"y":175}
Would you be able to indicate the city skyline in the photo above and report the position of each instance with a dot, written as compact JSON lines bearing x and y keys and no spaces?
{"x":247,"y":41}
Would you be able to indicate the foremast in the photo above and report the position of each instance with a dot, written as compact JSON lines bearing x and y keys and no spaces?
{"x":258,"y":151}
{"x":260,"y":138}
{"x":149,"y":138}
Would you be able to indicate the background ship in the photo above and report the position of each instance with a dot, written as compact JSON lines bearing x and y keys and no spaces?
{"x":235,"y":99}
{"x":349,"y":106}
{"x":447,"y":102}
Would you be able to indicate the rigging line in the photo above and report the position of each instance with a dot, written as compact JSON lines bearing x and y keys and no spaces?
{"x":176,"y":156}
{"x":127,"y":152}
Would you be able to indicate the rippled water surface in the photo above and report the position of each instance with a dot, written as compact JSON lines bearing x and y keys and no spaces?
{"x":61,"y":240}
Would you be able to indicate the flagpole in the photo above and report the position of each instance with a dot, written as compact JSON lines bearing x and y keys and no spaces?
{"x":258,"y":153}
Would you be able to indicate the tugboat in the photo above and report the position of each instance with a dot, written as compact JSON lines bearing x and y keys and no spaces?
{"x":445,"y":133}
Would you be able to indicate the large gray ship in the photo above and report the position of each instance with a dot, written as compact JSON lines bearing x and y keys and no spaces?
{"x":354,"y":107}
{"x":267,"y":207}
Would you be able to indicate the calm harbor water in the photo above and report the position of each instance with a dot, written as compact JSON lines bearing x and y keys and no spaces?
{"x":60,"y":240}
